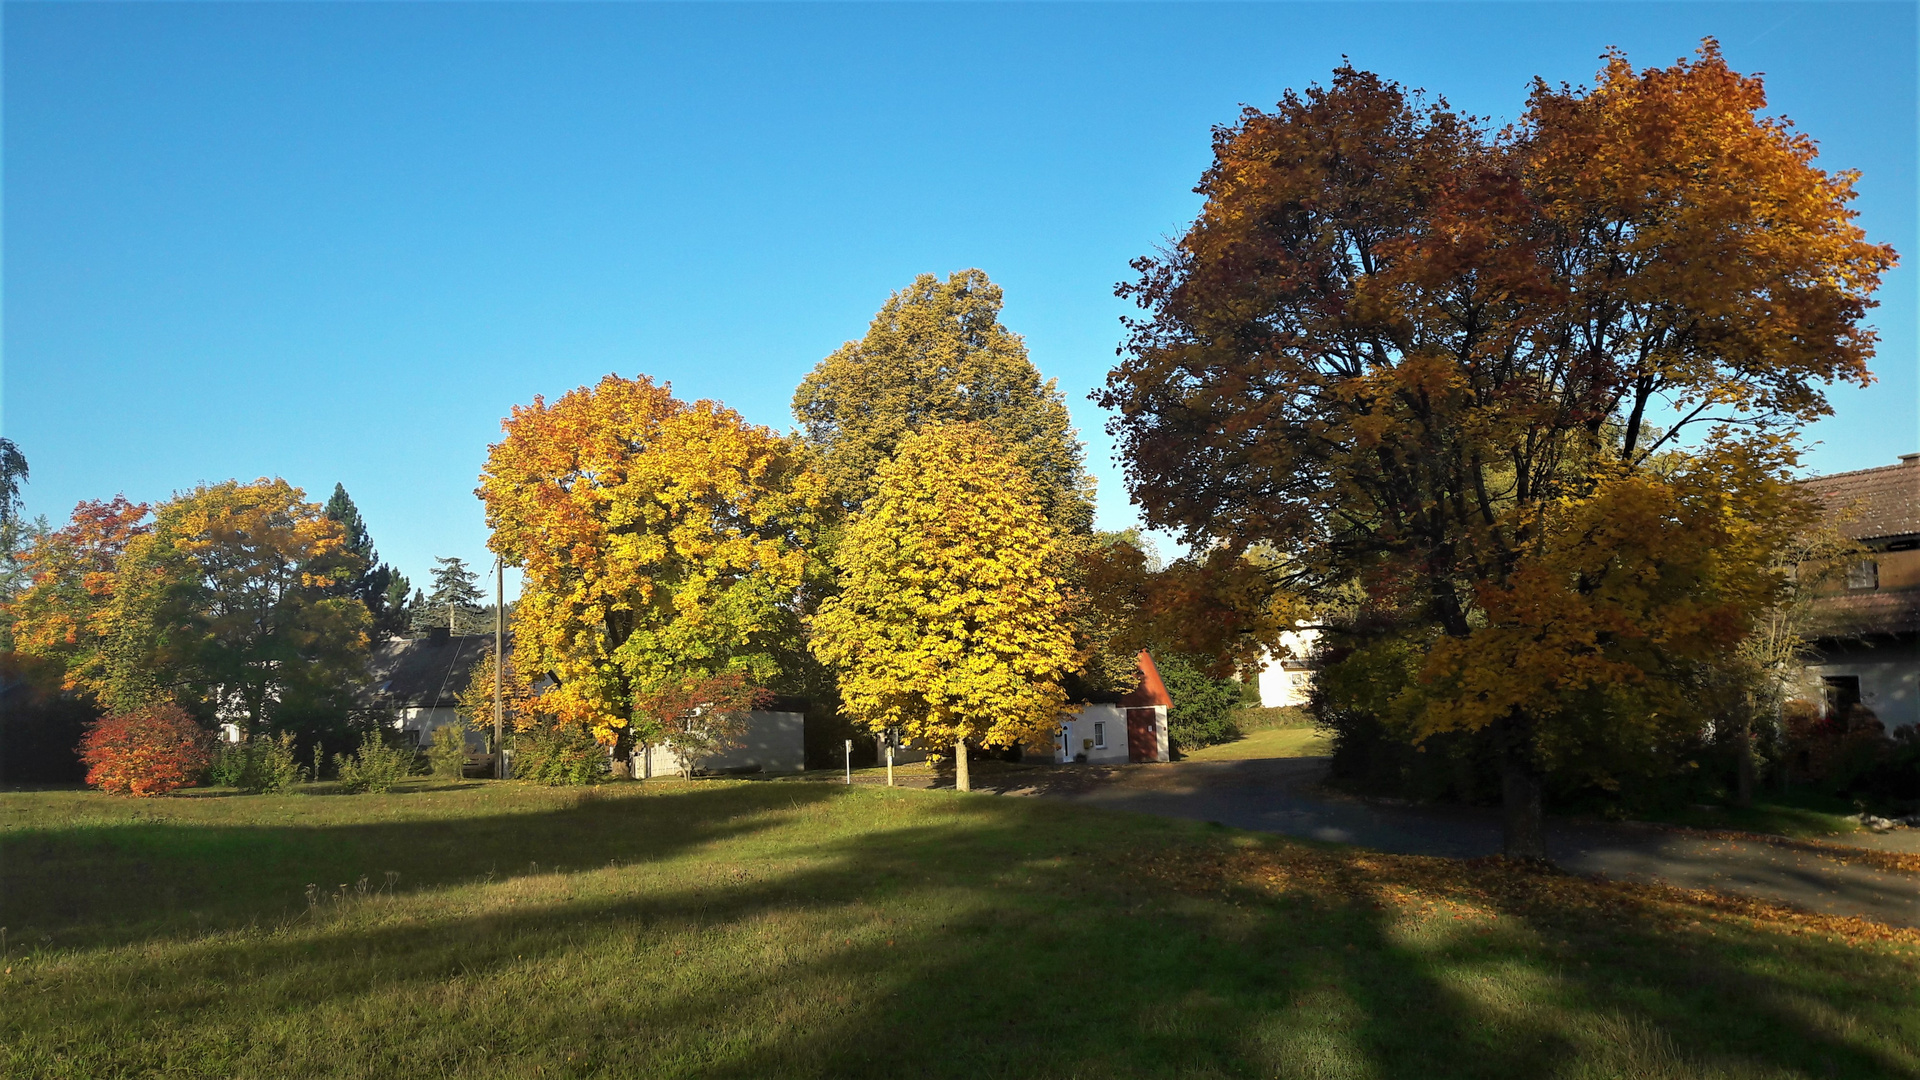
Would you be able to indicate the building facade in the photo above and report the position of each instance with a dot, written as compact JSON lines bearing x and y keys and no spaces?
{"x":1866,"y":617}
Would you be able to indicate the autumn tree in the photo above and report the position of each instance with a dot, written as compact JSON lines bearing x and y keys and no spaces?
{"x":72,"y":577}
{"x":950,"y":623}
{"x":1218,"y":609}
{"x":229,"y":605}
{"x":937,"y":353}
{"x":1444,"y":365}
{"x":663,"y":547}
{"x":1746,"y":688}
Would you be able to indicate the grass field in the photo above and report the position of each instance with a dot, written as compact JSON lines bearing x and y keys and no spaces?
{"x":1801,"y":814}
{"x":1264,"y":743}
{"x":743,"y":929}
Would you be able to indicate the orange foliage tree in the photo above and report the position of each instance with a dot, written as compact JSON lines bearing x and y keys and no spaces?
{"x":664,"y":547}
{"x":71,"y":574}
{"x":1219,"y":609}
{"x":146,"y":751}
{"x":1446,"y":365}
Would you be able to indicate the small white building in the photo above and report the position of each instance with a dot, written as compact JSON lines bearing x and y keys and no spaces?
{"x":1133,"y":729}
{"x":774,"y":741}
{"x":1286,"y":678}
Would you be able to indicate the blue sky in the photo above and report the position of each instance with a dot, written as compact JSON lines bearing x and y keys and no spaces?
{"x":339,"y":242}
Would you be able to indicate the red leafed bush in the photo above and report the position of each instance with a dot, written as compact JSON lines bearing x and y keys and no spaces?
{"x":148,"y":751}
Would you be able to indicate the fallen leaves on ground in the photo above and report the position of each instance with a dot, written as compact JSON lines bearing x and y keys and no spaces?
{"x":1490,"y":887}
{"x":1897,"y":861}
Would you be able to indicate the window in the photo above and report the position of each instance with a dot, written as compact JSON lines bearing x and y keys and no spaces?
{"x":1864,"y":574}
{"x":1841,"y":694}
{"x":1099,"y":735}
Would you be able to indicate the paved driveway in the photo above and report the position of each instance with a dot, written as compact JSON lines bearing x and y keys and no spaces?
{"x":1284,"y":795}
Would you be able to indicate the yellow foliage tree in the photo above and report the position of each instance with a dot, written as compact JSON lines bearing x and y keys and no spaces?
{"x":951,"y":623}
{"x":936,"y":353}
{"x":664,"y":547}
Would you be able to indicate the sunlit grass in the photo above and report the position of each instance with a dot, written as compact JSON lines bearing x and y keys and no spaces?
{"x":1265,"y":743}
{"x":766,"y":929}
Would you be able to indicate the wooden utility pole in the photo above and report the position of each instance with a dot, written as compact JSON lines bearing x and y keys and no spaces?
{"x":499,"y":667}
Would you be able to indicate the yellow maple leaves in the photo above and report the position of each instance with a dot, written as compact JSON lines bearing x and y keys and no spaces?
{"x":661,"y":541}
{"x":951,"y":624}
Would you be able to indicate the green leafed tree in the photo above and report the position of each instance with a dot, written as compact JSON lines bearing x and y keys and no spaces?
{"x":937,"y":353}
{"x":454,"y":583}
{"x":17,"y":534}
{"x":455,"y":603}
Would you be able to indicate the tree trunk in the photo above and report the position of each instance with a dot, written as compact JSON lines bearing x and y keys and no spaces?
{"x":1521,"y":794}
{"x":961,"y":781}
{"x":1743,"y":777}
{"x":622,"y":754}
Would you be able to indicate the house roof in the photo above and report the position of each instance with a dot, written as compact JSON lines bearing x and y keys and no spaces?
{"x":422,"y":673}
{"x":1873,"y":504}
{"x":1152,"y":690}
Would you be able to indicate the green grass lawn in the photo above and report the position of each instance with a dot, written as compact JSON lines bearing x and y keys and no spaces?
{"x":1265,"y":743}
{"x":748,"y":929}
{"x":1803,"y":815}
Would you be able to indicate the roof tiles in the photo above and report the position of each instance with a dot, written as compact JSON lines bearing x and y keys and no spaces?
{"x":1874,"y":503}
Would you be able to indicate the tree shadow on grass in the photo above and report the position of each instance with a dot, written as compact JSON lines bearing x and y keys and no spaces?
{"x":123,"y":882}
{"x":979,"y":938}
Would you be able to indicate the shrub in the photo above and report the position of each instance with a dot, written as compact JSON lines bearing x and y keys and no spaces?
{"x":144,"y":752}
{"x":1203,"y":707}
{"x":375,"y":767}
{"x":271,"y":768}
{"x":563,"y":756}
{"x":229,"y":765}
{"x":1851,"y":754}
{"x":448,"y":754}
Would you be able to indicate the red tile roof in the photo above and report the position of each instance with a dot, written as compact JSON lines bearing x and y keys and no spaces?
{"x":1874,"y":503}
{"x":1151,"y":691}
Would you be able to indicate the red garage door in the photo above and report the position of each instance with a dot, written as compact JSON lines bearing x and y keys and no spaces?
{"x":1143,"y":735}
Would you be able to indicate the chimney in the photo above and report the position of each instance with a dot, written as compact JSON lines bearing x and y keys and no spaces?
{"x":1909,"y":459}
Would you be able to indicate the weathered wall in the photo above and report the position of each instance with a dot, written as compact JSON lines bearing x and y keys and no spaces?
{"x":774,"y":742}
{"x":1889,"y":675}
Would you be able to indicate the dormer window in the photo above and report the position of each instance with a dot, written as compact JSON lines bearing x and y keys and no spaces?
{"x":1863,"y":574}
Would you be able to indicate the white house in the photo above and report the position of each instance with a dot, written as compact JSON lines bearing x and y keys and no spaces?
{"x":1287,"y":678}
{"x":1131,"y":729}
{"x":420,"y":679}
